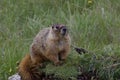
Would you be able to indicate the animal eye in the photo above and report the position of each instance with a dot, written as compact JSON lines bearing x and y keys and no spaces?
{"x":52,"y":27}
{"x":57,"y":27}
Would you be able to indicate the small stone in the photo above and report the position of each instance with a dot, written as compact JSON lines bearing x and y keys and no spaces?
{"x":15,"y":77}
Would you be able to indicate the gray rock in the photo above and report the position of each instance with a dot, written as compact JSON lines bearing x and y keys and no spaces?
{"x":15,"y":77}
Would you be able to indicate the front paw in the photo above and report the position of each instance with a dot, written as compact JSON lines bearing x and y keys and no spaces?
{"x":58,"y":63}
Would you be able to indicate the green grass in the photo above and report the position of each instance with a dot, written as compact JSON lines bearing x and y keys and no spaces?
{"x":94,"y":26}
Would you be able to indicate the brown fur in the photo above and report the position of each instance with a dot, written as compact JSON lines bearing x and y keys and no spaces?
{"x":27,"y":70}
{"x":51,"y":44}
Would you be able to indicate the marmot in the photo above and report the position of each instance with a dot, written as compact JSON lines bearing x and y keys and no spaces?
{"x":50,"y":44}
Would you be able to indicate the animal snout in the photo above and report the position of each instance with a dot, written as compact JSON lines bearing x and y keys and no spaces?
{"x":64,"y":29}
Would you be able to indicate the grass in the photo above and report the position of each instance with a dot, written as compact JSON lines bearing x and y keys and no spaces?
{"x":94,"y":25}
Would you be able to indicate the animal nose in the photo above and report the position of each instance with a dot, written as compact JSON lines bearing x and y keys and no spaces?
{"x":64,"y":29}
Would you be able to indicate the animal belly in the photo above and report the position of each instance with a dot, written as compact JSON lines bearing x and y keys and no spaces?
{"x":61,"y":45}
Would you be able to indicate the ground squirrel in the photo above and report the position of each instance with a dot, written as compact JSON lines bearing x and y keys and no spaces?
{"x":50,"y":44}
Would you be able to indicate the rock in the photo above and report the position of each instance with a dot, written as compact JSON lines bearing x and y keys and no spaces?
{"x":15,"y":77}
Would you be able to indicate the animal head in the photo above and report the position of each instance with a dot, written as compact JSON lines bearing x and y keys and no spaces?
{"x":60,"y":29}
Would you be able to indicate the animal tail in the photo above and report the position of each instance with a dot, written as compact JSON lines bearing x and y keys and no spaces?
{"x":27,"y":70}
